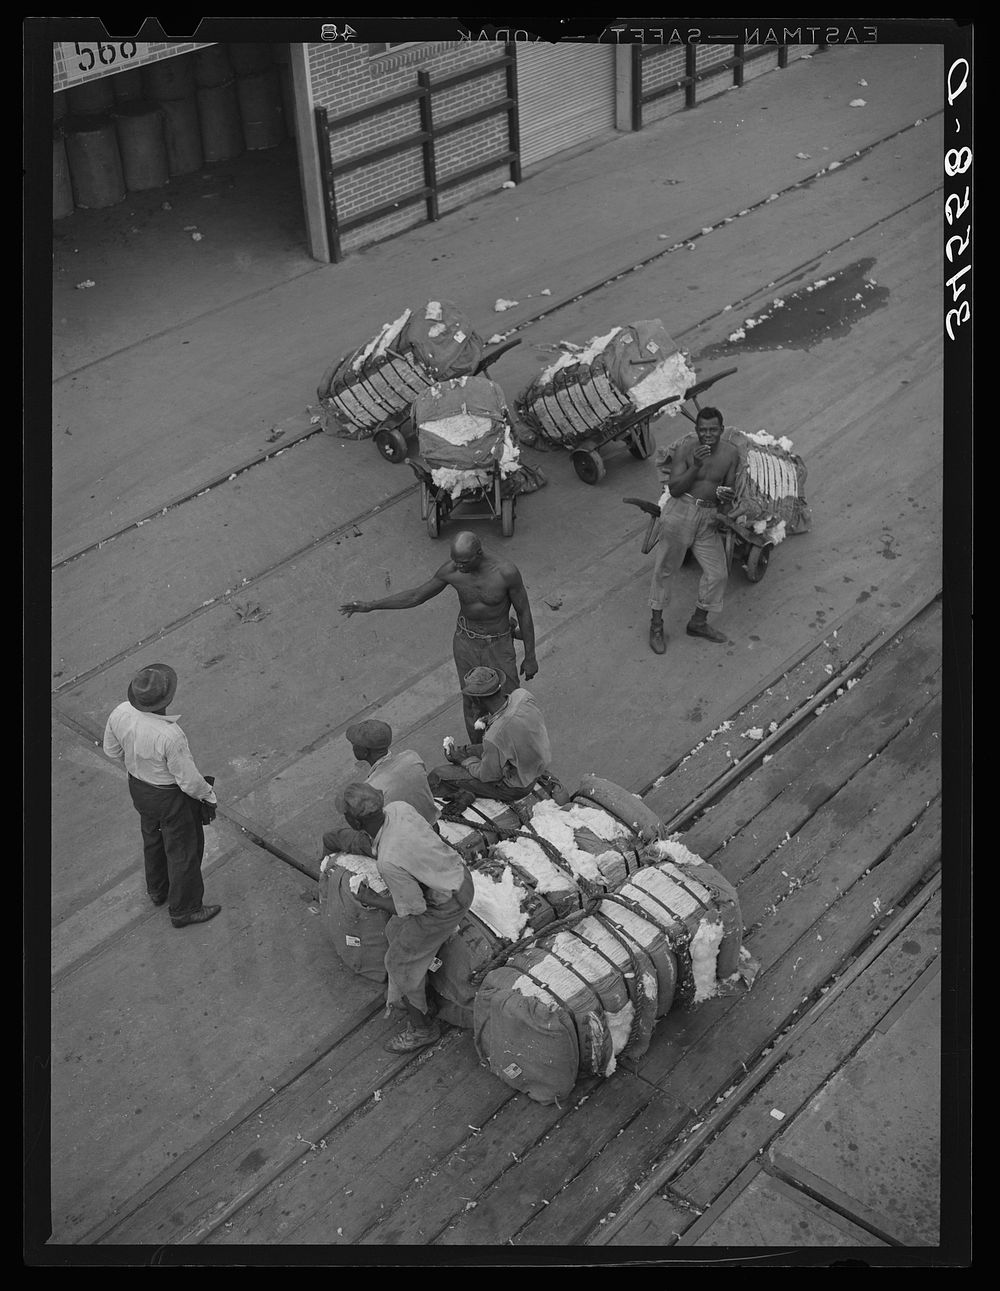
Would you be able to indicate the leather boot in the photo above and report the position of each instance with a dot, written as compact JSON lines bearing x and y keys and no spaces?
{"x":657,"y":639}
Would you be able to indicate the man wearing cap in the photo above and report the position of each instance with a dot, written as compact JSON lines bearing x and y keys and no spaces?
{"x":514,"y":752}
{"x":402,"y":777}
{"x":172,"y":797}
{"x":487,"y":591}
{"x":430,"y":889}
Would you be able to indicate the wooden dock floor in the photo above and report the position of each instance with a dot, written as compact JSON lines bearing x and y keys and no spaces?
{"x":833,"y":839}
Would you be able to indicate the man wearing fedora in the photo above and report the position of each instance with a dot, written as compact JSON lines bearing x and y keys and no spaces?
{"x":515,"y":750}
{"x":172,"y":797}
{"x":429,"y":890}
{"x":401,"y":776}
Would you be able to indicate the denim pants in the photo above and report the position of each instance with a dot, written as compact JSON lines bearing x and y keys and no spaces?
{"x":686,"y":526}
{"x":173,"y":844}
{"x":448,"y":780}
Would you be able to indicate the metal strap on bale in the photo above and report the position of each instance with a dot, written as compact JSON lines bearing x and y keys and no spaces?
{"x":684,"y":888}
{"x":642,"y":913}
{"x":523,"y":943}
{"x":633,"y":981}
{"x":663,"y":906}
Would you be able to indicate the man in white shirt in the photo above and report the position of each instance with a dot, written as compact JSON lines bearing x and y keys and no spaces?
{"x":402,"y":777}
{"x":172,"y":797}
{"x":430,"y":888}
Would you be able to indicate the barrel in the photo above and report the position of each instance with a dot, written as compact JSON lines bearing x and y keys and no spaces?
{"x":142,"y":145}
{"x":182,"y":132}
{"x":212,"y":65}
{"x":287,"y":97}
{"x":62,"y":189}
{"x":170,"y":78}
{"x":92,"y":98}
{"x":127,"y":85}
{"x":249,"y":58}
{"x":221,"y":128}
{"x":260,"y":109}
{"x":59,"y":108}
{"x":95,"y":167}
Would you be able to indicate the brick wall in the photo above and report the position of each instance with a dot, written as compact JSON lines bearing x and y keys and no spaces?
{"x":668,"y":63}
{"x":346,"y":78}
{"x":62,"y":76}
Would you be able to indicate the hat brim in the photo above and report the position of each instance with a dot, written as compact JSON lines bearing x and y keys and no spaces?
{"x":167,"y":698}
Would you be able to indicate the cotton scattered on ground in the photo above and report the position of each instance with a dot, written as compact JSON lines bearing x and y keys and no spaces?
{"x":502,"y":304}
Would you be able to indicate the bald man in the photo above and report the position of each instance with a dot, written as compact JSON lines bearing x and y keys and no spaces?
{"x":488,"y":589}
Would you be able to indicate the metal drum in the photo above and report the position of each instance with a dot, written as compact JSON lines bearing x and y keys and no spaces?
{"x":170,"y":78}
{"x":250,"y":57}
{"x":92,"y":98}
{"x":212,"y":65}
{"x":95,"y":167}
{"x":142,"y":145}
{"x":221,"y":127}
{"x":182,"y":132}
{"x":260,"y":109}
{"x":127,"y":85}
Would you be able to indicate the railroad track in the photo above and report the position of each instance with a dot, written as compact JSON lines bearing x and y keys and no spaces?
{"x":828,"y":823}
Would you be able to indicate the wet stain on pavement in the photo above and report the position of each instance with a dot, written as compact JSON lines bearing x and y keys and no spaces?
{"x":828,"y":307}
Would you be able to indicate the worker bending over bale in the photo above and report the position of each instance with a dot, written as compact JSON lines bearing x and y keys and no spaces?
{"x":430,"y":889}
{"x":514,"y":753}
{"x":402,"y":777}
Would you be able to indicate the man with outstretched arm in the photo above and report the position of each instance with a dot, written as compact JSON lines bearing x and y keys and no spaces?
{"x":702,"y":475}
{"x":488,"y":589}
{"x":430,"y":888}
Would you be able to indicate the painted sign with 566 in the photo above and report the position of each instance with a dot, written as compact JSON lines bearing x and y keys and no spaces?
{"x":84,"y":60}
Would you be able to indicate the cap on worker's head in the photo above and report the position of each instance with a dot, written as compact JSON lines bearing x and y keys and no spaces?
{"x":481,"y":682}
{"x":360,"y":800}
{"x":152,"y":687}
{"x":370,"y":734}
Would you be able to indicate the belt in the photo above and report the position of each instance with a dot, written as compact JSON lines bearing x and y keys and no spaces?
{"x":463,"y":627}
{"x":700,"y":502}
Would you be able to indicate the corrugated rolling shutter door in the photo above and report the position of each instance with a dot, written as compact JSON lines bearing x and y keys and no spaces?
{"x":566,"y":94}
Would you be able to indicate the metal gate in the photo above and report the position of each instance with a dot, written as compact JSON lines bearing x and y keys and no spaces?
{"x":566,"y":94}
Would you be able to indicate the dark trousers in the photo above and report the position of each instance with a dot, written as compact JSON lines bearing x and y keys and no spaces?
{"x":173,"y":844}
{"x":449,"y":780}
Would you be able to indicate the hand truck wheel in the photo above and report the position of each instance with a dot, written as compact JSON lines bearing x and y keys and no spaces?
{"x":507,"y":517}
{"x":757,"y":562}
{"x":588,"y":464}
{"x":391,"y":444}
{"x":433,"y":519}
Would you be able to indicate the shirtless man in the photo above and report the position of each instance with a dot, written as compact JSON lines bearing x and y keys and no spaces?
{"x":488,"y":589}
{"x":702,"y":475}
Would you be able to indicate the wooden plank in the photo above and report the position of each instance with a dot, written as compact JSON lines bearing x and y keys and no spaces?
{"x":581,"y":1203}
{"x":433,"y":1202}
{"x":349,"y":1150}
{"x":658,"y":1223}
{"x":854,"y":632}
{"x":528,"y":1184}
{"x":203,"y":1191}
{"x":700,"y":1135}
{"x":610,"y":1176}
{"x":377,"y":1175}
{"x":875,"y":806}
{"x":813,"y":1058}
{"x":864,"y":717}
{"x":771,"y":1213}
{"x":795,"y":967}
